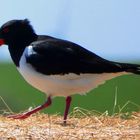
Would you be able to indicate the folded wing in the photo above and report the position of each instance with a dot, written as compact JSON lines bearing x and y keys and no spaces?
{"x":55,"y":56}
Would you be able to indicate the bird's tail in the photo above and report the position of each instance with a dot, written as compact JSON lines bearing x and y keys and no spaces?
{"x":132,"y":68}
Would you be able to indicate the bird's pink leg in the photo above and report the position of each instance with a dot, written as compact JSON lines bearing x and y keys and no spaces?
{"x":68,"y":102}
{"x":27,"y":114}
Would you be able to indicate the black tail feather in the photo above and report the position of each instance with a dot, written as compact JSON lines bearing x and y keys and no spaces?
{"x":132,"y":68}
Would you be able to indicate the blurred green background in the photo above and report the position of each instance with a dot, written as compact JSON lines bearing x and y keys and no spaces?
{"x":19,"y":95}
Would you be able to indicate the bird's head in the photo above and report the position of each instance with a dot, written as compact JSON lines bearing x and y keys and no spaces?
{"x":16,"y":32}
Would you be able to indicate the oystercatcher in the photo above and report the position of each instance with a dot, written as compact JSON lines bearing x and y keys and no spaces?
{"x":56,"y":67}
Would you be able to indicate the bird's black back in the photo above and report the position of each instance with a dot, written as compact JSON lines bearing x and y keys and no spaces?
{"x":56,"y":56}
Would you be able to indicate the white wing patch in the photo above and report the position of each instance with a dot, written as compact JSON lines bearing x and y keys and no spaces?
{"x":30,"y":50}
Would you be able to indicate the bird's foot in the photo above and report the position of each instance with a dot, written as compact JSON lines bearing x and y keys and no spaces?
{"x":19,"y":116}
{"x":27,"y":114}
{"x":64,"y":123}
{"x":46,"y":104}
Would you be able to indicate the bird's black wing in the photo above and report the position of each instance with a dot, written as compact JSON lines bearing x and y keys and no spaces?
{"x":55,"y":56}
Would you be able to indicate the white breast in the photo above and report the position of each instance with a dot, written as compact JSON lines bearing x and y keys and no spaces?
{"x":62,"y":85}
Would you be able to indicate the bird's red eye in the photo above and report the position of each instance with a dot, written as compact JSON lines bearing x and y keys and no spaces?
{"x":6,"y":30}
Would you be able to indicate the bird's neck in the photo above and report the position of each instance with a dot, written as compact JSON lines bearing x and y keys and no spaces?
{"x":17,"y":48}
{"x":16,"y":53}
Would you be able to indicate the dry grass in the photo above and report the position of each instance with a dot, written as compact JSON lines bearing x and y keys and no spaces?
{"x":86,"y":127}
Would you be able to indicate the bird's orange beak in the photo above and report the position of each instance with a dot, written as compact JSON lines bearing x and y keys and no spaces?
{"x":2,"y":42}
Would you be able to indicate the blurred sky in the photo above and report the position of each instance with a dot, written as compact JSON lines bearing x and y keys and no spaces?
{"x":110,"y":28}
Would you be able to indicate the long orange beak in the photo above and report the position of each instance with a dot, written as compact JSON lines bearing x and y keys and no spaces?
{"x":2,"y":42}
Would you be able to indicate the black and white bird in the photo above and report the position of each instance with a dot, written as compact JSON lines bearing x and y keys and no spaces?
{"x":56,"y":67}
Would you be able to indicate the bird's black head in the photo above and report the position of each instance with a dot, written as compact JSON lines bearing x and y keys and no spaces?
{"x":17,"y":32}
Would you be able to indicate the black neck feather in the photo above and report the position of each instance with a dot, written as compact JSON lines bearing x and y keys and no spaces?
{"x":17,"y":48}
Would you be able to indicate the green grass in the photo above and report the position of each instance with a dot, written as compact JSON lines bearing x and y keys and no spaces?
{"x":19,"y":96}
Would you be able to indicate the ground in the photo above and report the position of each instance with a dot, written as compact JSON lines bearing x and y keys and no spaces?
{"x":49,"y":127}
